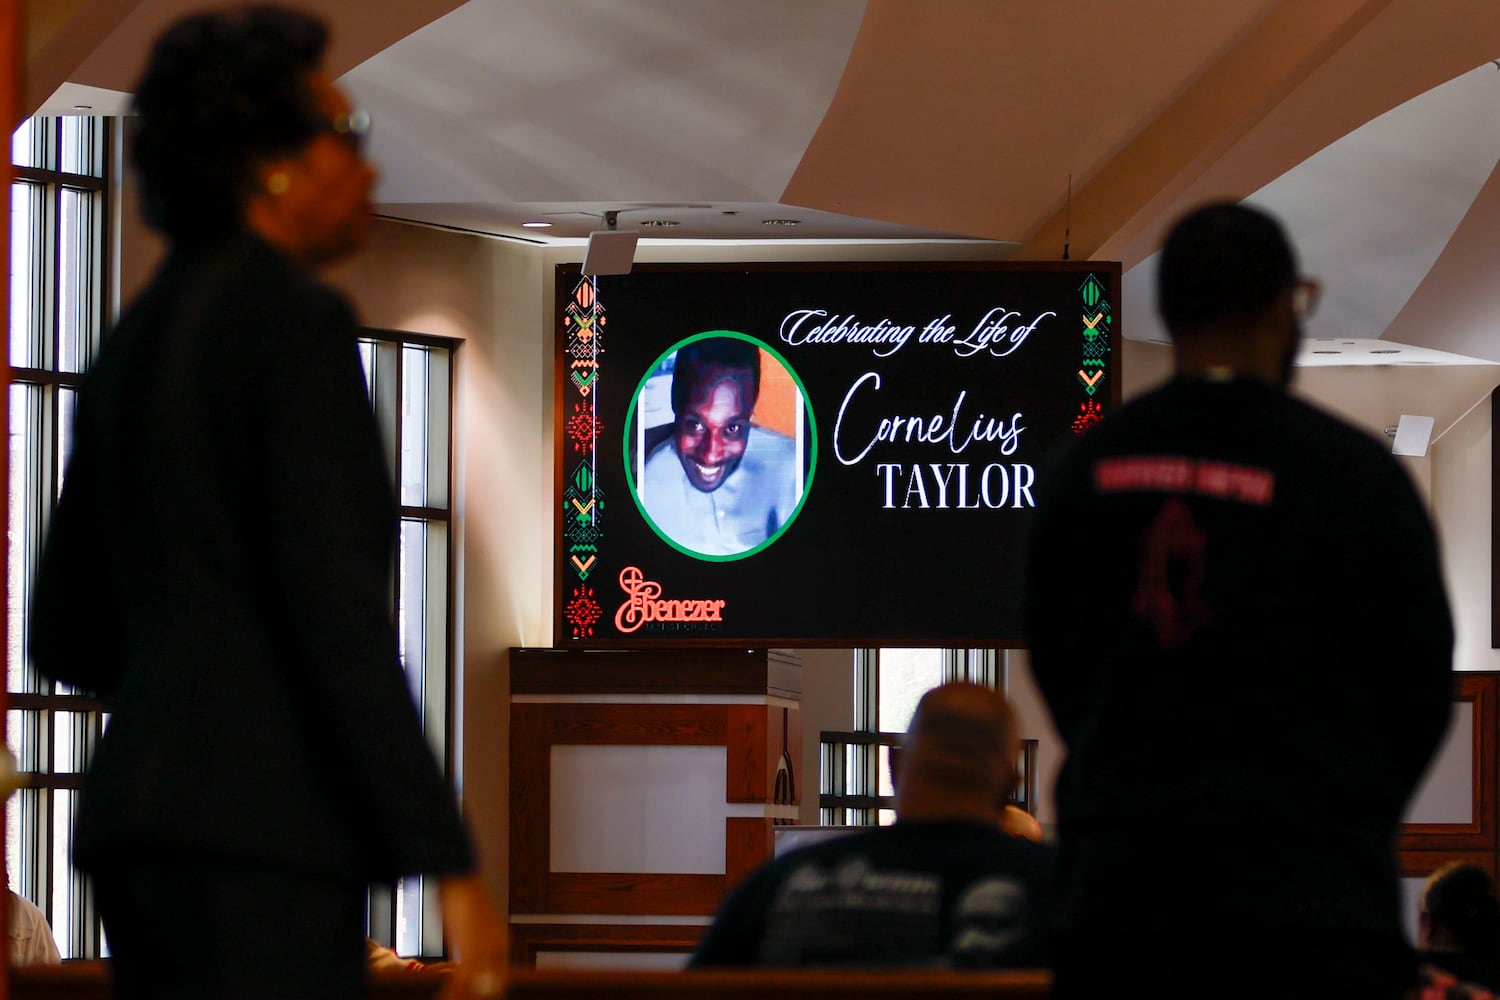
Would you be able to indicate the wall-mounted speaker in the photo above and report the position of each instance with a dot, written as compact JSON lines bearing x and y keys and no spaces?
{"x":1412,"y":435}
{"x":609,"y":252}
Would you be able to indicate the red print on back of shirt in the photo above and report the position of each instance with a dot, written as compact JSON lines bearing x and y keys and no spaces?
{"x":1169,"y":584}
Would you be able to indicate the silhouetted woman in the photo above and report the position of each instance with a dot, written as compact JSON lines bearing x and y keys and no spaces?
{"x":218,"y":564}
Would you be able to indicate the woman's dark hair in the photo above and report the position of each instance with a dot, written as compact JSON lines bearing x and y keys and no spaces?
{"x":222,"y":92}
{"x":1460,"y":898}
{"x":1224,"y":262}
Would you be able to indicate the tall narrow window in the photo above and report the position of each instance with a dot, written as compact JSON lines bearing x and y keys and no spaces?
{"x":410,"y":379}
{"x":57,"y":315}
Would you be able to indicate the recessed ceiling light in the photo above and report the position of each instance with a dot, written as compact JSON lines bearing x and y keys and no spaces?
{"x":537,"y":225}
{"x":1328,"y":352}
{"x":83,"y":107}
{"x":781,"y":222}
{"x":1388,"y":350}
{"x":660,"y":223}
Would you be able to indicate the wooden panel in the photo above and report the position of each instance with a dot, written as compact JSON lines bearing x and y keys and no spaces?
{"x":749,"y":767}
{"x":531,"y":728}
{"x":748,"y":843}
{"x":1425,"y":847}
{"x":82,"y":980}
{"x":779,"y":984}
{"x":537,"y":727}
{"x":632,"y":893}
{"x":775,"y":744}
{"x":635,"y":725}
{"x":91,"y":980}
{"x":753,"y":736}
{"x":1478,"y":688}
{"x":528,"y":939}
{"x":1420,"y":864}
{"x":545,"y":670}
{"x":794,"y":750}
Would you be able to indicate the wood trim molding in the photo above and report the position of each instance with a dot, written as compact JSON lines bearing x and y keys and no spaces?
{"x":630,"y":893}
{"x":526,"y":940}
{"x":1420,"y":864}
{"x":552,"y":670}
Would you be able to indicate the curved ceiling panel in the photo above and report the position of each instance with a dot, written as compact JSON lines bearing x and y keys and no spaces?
{"x":659,"y":101}
{"x":1372,"y":212}
{"x":1452,"y":309}
{"x":969,"y":116}
{"x":1394,"y":51}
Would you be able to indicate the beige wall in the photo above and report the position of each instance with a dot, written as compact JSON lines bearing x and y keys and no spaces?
{"x":488,"y":294}
{"x":497,"y":297}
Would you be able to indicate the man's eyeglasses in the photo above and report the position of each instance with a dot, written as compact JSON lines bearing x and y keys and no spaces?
{"x":1305,"y":295}
{"x":351,"y":128}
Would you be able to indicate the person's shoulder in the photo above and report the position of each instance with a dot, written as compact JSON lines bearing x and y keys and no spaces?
{"x":1331,"y":449}
{"x":20,"y":904}
{"x":770,"y":443}
{"x":830,"y":848}
{"x":974,"y":845}
{"x":661,"y":470}
{"x":663,"y":452}
{"x":971,"y":832}
{"x":238,"y":279}
{"x":268,"y":281}
{"x":1335,"y":427}
{"x":1070,"y":455}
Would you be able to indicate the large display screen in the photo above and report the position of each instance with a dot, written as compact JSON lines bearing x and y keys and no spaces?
{"x":815,"y":455}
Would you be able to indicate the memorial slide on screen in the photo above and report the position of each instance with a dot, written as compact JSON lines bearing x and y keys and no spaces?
{"x":815,"y":455}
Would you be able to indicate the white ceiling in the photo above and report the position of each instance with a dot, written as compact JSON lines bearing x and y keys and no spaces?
{"x":950,"y":120}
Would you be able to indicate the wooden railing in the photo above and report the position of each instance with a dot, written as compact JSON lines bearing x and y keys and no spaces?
{"x":779,"y":984}
{"x":851,"y":781}
{"x":90,"y":981}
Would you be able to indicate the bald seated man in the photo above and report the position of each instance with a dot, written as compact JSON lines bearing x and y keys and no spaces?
{"x":944,"y":885}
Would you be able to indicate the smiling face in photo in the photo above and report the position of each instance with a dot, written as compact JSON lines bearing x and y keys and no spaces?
{"x":714,"y":426}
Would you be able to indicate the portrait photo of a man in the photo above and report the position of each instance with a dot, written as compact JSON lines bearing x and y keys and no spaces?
{"x":716,"y":478}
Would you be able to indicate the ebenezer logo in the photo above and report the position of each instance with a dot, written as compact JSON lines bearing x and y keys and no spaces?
{"x":643,"y":604}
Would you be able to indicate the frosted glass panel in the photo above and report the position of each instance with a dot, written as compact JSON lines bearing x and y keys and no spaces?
{"x":638,"y":809}
{"x":1446,"y":794}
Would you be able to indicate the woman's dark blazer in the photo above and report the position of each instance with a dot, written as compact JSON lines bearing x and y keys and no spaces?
{"x":218,"y":570}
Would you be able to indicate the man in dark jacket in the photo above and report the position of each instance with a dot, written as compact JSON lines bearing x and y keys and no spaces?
{"x":1210,"y":622}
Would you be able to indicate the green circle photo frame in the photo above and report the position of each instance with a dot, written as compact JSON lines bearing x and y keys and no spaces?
{"x":811,"y":447}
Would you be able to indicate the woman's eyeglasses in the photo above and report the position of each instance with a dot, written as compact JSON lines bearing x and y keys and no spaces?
{"x":351,"y":128}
